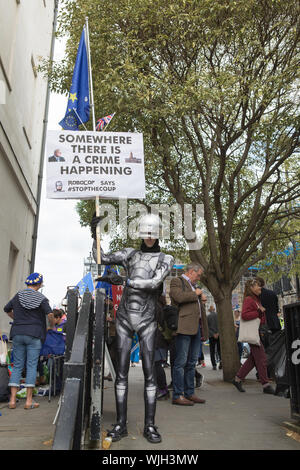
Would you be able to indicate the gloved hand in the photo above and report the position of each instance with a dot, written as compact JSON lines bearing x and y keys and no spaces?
{"x":94,"y":222}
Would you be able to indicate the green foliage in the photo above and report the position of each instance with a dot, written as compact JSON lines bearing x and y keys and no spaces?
{"x":213,"y":88}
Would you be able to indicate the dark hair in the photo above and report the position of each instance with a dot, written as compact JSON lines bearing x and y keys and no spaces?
{"x":58,"y":313}
{"x":261,"y":281}
{"x":250,"y":283}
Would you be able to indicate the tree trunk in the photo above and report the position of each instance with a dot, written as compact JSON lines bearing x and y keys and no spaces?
{"x":228,"y":341}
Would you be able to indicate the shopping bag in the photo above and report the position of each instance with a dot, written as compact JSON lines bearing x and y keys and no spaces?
{"x":277,"y":361}
{"x":4,"y":379}
{"x":249,"y":331}
{"x":3,"y":351}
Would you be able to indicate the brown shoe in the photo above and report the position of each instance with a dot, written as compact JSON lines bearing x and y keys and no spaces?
{"x":182,"y":401}
{"x":195,"y":399}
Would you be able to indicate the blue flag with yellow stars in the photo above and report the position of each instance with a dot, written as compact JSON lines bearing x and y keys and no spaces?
{"x":86,"y":282}
{"x":78,"y":108}
{"x":70,"y":121}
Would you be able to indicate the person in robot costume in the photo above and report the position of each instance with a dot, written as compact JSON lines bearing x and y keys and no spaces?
{"x":146,"y":270}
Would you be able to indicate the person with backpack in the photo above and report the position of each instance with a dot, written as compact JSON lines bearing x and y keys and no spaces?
{"x":192,"y":328}
{"x":163,"y":340}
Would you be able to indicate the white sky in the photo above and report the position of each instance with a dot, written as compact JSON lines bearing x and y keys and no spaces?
{"x":62,"y":243}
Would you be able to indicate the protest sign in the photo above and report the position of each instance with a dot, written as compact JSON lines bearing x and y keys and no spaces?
{"x":117,"y":292}
{"x":86,"y":164}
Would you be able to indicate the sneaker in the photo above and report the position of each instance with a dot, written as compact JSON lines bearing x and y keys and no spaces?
{"x":268,"y":389}
{"x":214,"y":367}
{"x":163,"y":394}
{"x":170,"y":386}
{"x":220,"y":366}
{"x":199,"y":381}
{"x":238,"y":385}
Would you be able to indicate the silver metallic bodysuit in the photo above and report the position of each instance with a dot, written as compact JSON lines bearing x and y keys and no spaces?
{"x":145,"y":273}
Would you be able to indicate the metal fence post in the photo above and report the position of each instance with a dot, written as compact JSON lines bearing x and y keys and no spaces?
{"x":291,"y":314}
{"x":98,"y":369}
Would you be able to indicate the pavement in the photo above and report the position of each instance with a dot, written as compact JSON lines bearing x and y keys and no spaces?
{"x":229,"y":420}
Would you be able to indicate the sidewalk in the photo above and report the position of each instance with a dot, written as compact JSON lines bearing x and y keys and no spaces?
{"x":229,"y":420}
{"x":28,"y":429}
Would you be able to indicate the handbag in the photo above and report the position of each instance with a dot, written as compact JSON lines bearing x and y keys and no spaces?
{"x":249,"y":331}
{"x":3,"y":350}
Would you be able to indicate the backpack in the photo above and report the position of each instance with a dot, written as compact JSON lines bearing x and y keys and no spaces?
{"x":54,"y":344}
{"x":171,"y":313}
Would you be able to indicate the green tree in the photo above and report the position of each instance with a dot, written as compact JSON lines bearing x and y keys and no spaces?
{"x":213,"y":87}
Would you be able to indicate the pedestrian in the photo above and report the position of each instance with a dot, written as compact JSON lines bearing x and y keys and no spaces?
{"x":163,"y":337}
{"x":28,"y":309}
{"x":214,"y":337}
{"x":252,"y":309}
{"x":269,"y":301}
{"x":135,"y":350}
{"x":60,"y":320}
{"x":146,"y":270}
{"x":192,"y":326}
{"x":111,"y":337}
{"x":237,"y":321}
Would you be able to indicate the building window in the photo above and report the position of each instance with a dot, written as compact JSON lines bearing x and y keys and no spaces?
{"x":26,"y":137}
{"x":33,"y":66}
{"x":12,"y":269}
{"x":5,"y":75}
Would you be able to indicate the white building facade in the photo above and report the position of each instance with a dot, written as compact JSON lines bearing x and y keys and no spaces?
{"x":26,"y":30}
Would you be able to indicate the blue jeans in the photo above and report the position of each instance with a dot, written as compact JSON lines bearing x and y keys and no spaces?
{"x":186,"y":356}
{"x":26,"y":351}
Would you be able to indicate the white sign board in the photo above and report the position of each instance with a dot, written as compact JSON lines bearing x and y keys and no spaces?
{"x":86,"y":164}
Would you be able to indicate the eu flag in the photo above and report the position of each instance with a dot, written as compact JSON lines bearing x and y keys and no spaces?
{"x":70,"y":121}
{"x":78,"y":102}
{"x":86,"y":282}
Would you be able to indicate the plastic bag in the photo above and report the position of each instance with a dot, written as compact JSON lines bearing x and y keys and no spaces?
{"x":277,"y":362}
{"x":22,"y":393}
{"x":3,"y":351}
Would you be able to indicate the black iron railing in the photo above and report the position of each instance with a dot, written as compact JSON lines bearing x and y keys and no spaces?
{"x":291,"y":314}
{"x":80,"y":415}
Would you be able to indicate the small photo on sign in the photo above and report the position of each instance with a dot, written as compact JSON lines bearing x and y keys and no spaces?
{"x":132,"y":159}
{"x":56,"y":157}
{"x":59,"y":186}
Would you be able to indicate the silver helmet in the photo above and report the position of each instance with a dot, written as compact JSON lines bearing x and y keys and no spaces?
{"x":149,"y":226}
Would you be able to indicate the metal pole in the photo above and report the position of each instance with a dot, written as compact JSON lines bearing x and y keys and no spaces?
{"x":90,"y":71}
{"x":97,"y":203}
{"x":45,"y":123}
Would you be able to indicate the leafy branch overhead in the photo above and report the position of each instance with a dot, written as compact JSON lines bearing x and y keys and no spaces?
{"x":214,"y":87}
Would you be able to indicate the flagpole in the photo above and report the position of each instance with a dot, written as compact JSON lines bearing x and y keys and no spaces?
{"x":74,"y":109}
{"x":97,"y":203}
{"x":105,"y":127}
{"x":90,"y":70}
